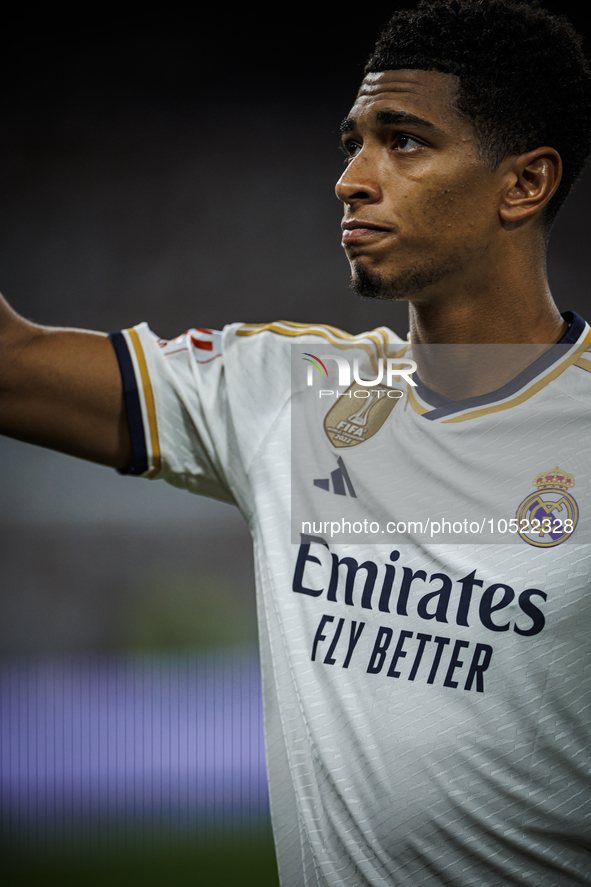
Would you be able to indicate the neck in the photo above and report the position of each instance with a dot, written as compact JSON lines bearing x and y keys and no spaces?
{"x":480,"y":337}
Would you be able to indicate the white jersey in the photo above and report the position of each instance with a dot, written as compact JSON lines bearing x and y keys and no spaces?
{"x":426,"y":687}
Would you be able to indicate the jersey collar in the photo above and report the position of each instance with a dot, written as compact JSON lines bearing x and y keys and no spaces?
{"x":434,"y":406}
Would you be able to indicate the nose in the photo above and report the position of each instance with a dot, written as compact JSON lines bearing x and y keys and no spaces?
{"x":357,"y":185}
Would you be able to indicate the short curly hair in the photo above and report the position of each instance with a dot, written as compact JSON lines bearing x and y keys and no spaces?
{"x":524,"y":81}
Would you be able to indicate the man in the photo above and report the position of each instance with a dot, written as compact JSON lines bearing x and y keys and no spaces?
{"x":426,"y":705}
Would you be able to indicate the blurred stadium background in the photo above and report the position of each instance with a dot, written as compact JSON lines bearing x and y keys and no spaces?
{"x":184,"y":176}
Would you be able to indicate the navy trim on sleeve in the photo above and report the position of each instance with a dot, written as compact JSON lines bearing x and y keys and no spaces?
{"x":139,"y":453}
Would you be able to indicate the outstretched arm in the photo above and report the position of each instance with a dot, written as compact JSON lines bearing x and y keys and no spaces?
{"x":61,"y":388}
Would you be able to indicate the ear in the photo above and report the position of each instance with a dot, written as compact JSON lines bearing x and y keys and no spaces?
{"x":532,"y":180}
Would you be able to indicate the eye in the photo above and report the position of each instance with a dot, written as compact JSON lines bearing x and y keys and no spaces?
{"x":406,"y":143}
{"x":350,"y":149}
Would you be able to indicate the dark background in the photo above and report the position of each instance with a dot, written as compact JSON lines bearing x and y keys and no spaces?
{"x":184,"y":174}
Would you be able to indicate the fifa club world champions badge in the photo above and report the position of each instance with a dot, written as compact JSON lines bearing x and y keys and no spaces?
{"x":359,"y":413}
{"x":549,"y":516}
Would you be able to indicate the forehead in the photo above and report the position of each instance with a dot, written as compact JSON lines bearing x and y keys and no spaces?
{"x":430,"y":95}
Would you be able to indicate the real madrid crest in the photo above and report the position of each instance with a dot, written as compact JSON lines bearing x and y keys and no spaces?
{"x":548,"y":516}
{"x":359,"y":413}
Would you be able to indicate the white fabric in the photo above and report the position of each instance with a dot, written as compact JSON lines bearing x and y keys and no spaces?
{"x":475,"y":771}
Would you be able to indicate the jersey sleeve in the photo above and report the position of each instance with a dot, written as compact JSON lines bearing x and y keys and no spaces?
{"x":177,"y":409}
{"x":200,"y":407}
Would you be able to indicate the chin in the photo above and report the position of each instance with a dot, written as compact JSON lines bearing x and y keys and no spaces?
{"x":404,"y":285}
{"x":371,"y":284}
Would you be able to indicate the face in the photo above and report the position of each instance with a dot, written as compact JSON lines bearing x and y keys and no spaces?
{"x":420,"y":207}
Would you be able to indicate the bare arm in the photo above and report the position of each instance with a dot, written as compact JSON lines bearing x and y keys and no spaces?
{"x":61,"y":388}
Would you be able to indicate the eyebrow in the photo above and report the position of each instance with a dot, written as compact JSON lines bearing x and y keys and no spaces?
{"x":389,"y":117}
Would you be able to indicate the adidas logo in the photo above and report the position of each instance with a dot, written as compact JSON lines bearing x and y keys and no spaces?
{"x":341,"y":482}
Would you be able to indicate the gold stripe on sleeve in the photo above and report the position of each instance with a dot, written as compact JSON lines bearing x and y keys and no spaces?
{"x":149,"y":402}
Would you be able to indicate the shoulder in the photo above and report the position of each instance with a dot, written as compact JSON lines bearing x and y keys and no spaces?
{"x":271,"y":348}
{"x":204,"y":345}
{"x":287,"y":332}
{"x":250,"y":360}
{"x":280,"y":339}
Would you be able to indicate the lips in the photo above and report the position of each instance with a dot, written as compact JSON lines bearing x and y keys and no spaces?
{"x":361,"y":229}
